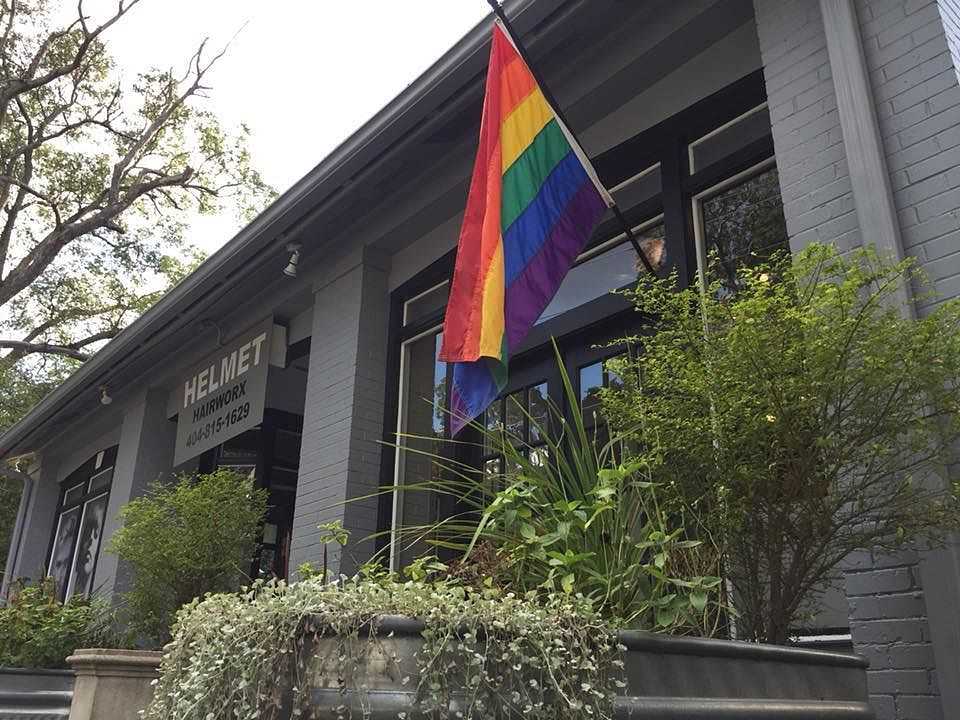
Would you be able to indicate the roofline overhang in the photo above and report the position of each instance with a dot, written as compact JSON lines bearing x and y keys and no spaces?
{"x":282,"y":219}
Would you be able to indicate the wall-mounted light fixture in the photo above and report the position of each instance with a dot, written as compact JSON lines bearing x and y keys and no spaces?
{"x":291,"y":269}
{"x":105,"y":398}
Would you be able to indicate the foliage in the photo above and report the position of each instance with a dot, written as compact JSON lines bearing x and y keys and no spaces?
{"x":570,"y":515}
{"x":98,"y":180}
{"x":38,"y":631}
{"x":186,"y":539}
{"x":10,"y":490}
{"x":802,"y":414}
{"x":544,"y":658}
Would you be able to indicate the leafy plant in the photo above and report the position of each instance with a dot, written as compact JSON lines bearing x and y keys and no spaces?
{"x":38,"y":631}
{"x":184,"y":540}
{"x":484,"y":653}
{"x":801,"y":413}
{"x":571,"y":516}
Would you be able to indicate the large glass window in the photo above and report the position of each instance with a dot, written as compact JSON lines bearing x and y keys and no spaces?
{"x":737,"y":223}
{"x":79,"y":530}
{"x":608,"y":267}
{"x":421,"y":428}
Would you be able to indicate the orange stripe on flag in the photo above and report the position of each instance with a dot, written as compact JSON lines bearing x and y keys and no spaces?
{"x":516,"y":83}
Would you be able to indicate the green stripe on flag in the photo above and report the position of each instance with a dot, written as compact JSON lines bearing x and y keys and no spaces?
{"x":523,"y":179}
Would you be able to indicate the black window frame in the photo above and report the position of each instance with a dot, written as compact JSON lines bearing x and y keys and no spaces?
{"x":81,"y":476}
{"x":580,"y":330}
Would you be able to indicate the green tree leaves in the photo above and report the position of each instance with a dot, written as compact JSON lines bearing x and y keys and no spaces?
{"x":803,"y":417}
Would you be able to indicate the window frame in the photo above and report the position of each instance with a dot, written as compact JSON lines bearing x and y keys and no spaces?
{"x":81,"y":476}
{"x":664,"y":146}
{"x":697,"y":201}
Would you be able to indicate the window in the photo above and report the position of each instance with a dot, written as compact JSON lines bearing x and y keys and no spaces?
{"x":681,"y":184}
{"x":426,"y":303}
{"x":524,"y":415}
{"x":79,"y":529}
{"x":420,"y":430}
{"x":735,"y":135}
{"x":601,"y":270}
{"x":737,"y":223}
{"x":592,"y":379}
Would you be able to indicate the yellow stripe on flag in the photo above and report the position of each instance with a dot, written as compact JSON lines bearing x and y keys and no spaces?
{"x":522,"y":125}
{"x":492,"y":323}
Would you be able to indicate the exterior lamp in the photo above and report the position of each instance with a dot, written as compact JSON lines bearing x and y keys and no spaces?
{"x":105,"y":398}
{"x":291,"y":269}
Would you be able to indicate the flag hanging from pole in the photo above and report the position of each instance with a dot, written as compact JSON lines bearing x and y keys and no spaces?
{"x":534,"y":201}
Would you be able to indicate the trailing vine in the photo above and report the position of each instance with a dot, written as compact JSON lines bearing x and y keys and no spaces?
{"x":485,"y":653}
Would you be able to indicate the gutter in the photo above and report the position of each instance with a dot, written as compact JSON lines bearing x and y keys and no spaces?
{"x":274,"y":226}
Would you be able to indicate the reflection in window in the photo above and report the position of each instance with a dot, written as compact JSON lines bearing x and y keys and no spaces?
{"x":608,"y":268}
{"x":741,"y":225}
{"x":524,"y":415}
{"x":421,"y":429}
{"x":593,"y":378}
{"x":77,"y":536}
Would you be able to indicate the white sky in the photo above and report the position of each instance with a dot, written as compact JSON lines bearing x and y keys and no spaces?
{"x":302,"y":74}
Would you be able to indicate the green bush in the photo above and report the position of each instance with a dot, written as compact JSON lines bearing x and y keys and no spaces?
{"x":184,"y":540}
{"x":38,"y":631}
{"x":804,"y":414}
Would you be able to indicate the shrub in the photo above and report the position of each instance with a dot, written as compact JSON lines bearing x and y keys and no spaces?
{"x":804,"y":415}
{"x":186,"y":539}
{"x":38,"y":631}
{"x":508,"y":655}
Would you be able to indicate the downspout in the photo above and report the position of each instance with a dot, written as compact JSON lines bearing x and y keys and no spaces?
{"x":16,"y":538}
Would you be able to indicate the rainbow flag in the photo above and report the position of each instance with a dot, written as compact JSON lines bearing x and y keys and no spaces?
{"x":534,"y":202}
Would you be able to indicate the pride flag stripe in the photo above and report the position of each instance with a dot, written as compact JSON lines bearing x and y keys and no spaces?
{"x":533,"y":203}
{"x":540,"y":158}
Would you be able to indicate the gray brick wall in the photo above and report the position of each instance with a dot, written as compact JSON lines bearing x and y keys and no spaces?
{"x":343,"y":415}
{"x":917,"y":95}
{"x":888,"y":622}
{"x":814,"y":179}
{"x":918,"y":107}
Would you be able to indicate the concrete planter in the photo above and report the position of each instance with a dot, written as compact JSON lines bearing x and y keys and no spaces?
{"x":35,"y":694}
{"x":668,"y":678}
{"x":112,"y":684}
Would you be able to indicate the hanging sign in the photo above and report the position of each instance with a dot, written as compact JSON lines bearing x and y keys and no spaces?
{"x":224,"y":395}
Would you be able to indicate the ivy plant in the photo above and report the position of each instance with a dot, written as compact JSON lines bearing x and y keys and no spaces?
{"x":485,"y":653}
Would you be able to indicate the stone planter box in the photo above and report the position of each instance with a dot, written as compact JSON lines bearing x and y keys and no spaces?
{"x":668,"y":678}
{"x":35,"y":694}
{"x":112,"y":684}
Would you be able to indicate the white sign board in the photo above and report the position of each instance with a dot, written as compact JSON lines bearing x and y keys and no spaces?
{"x":224,"y":395}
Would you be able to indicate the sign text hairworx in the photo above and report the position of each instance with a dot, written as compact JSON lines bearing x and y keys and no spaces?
{"x":224,"y":395}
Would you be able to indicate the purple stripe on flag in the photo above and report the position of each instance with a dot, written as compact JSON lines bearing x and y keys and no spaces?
{"x":533,"y":289}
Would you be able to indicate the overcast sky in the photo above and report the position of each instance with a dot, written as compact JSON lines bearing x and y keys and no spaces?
{"x":302,"y":74}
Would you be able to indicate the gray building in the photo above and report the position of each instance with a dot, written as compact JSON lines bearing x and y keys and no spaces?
{"x":836,"y":120}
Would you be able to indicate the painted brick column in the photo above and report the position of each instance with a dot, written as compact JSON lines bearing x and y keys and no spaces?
{"x":887,"y":595}
{"x":343,"y":417}
{"x":144,"y":455}
{"x":38,"y":522}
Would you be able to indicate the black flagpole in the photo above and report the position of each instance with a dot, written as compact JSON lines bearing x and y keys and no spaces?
{"x":545,"y":89}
